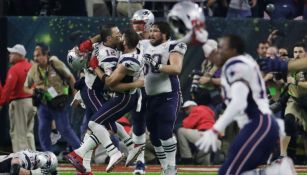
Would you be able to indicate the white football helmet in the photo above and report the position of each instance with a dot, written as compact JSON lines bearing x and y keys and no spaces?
{"x":47,"y":160}
{"x":143,"y":16}
{"x":184,"y":17}
{"x":76,"y":61}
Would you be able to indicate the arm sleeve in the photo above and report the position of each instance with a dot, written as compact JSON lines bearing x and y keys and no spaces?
{"x":131,"y":64}
{"x":179,"y":47}
{"x":10,"y":84}
{"x":237,"y":105}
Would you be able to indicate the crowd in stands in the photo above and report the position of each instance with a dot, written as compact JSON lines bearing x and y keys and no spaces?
{"x":271,"y":9}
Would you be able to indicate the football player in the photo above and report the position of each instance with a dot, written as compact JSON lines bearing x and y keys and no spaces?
{"x":29,"y":162}
{"x":163,"y":59}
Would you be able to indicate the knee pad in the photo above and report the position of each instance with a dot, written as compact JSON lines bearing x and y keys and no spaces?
{"x":92,"y":125}
{"x":15,"y":168}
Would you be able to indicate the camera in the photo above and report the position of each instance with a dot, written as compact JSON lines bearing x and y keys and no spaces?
{"x":38,"y":95}
{"x":195,"y":75}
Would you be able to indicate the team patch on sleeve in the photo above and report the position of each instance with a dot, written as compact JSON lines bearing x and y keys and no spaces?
{"x":131,"y":64}
{"x":237,"y":71}
{"x":178,"y":47}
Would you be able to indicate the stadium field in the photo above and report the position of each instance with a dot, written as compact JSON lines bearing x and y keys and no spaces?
{"x":66,"y":169}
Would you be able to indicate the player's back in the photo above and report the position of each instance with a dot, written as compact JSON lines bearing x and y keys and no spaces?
{"x":133,"y":64}
{"x":243,"y":68}
{"x":157,"y":82}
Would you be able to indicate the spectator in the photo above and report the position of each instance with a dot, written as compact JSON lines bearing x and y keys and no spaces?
{"x":286,"y":9}
{"x":295,"y":113}
{"x":261,"y":49}
{"x":48,"y":81}
{"x":21,"y":110}
{"x":283,"y":54}
{"x":199,"y":118}
{"x":240,"y":8}
{"x":271,"y":52}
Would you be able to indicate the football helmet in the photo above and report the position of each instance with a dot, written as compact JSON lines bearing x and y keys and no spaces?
{"x":47,"y":160}
{"x":145,"y":17}
{"x":184,"y":17}
{"x":76,"y":61}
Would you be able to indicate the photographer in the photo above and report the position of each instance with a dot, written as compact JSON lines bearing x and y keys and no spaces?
{"x":48,"y":81}
{"x":205,"y":86}
{"x":296,"y":113}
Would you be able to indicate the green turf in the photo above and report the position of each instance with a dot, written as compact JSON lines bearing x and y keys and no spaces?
{"x":114,"y":173}
{"x":146,"y":173}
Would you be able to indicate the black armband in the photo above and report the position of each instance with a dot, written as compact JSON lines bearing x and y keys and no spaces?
{"x":15,"y":168}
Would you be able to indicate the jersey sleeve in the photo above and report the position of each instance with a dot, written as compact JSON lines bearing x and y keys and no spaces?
{"x":178,"y":47}
{"x":237,"y":71}
{"x":131,"y":64}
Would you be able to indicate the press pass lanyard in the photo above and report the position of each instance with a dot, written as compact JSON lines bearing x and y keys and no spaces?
{"x":44,"y":76}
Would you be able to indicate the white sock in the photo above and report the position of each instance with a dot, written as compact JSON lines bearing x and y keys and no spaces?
{"x":140,"y":140}
{"x":170,"y":148}
{"x":87,"y":156}
{"x":161,"y":156}
{"x":124,"y":136}
{"x":103,"y":137}
{"x":89,"y":143}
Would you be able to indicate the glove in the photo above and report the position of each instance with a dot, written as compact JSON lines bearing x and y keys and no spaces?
{"x":273,"y":65}
{"x":208,"y":140}
{"x":93,"y":63}
{"x":149,"y":60}
{"x":209,"y":47}
{"x":86,"y":46}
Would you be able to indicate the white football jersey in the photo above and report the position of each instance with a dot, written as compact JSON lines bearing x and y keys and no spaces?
{"x":134,"y":64}
{"x":27,"y":159}
{"x":107,"y":58}
{"x":155,"y":81}
{"x":243,"y":68}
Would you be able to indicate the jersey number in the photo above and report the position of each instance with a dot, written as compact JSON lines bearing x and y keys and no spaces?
{"x":158,"y":59}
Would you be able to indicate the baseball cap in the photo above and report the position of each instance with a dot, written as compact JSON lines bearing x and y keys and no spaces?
{"x":18,"y":48}
{"x":189,"y":103}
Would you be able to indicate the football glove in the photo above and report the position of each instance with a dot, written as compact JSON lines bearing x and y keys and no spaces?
{"x":86,"y":46}
{"x":93,"y":63}
{"x":208,"y":140}
{"x":149,"y":60}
